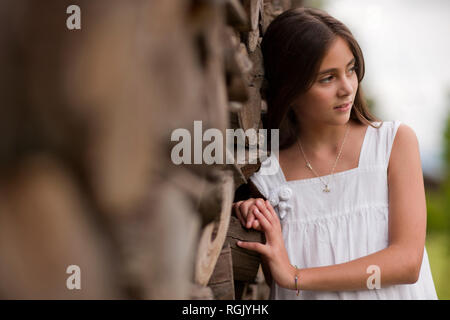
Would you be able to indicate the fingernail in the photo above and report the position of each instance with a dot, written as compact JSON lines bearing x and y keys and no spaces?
{"x":239,"y":243}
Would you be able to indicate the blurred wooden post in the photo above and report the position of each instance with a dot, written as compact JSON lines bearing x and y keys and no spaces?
{"x":87,"y":173}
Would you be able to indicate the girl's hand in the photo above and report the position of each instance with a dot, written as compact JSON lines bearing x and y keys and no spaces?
{"x":273,"y":250}
{"x":244,"y":212}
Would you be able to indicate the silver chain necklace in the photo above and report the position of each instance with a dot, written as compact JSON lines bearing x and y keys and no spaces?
{"x":308,"y":164}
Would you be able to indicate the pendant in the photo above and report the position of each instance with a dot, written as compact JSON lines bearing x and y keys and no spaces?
{"x":326,"y":189}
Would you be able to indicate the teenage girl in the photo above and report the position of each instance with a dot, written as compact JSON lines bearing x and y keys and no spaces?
{"x":344,"y":213}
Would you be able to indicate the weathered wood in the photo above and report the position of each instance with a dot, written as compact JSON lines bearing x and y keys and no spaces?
{"x":237,"y":65}
{"x":213,"y":235}
{"x":248,"y":169}
{"x":221,"y":281}
{"x":253,"y":8}
{"x":157,"y":242}
{"x":252,"y":39}
{"x":238,"y":176}
{"x":199,"y":292}
{"x":271,"y":10}
{"x":256,"y":75}
{"x":101,"y":104}
{"x":46,"y":225}
{"x":263,"y":106}
{"x":215,"y":103}
{"x":237,"y":89}
{"x":236,"y":15}
{"x":234,"y":107}
{"x":245,"y":262}
{"x":250,"y":114}
{"x":286,"y":4}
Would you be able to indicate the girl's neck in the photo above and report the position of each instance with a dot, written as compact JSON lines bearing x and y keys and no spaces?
{"x":323,"y":138}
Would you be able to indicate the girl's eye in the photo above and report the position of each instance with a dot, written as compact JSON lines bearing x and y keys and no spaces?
{"x":327,"y":79}
{"x":324,"y":80}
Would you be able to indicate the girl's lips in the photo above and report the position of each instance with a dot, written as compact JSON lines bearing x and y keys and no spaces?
{"x":345,"y":107}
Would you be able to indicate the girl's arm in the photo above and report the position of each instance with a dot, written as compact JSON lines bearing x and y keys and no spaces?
{"x":400,"y":262}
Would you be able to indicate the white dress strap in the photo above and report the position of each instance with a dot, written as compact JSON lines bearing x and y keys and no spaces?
{"x":268,"y":176}
{"x":379,"y":144}
{"x":391,"y":137}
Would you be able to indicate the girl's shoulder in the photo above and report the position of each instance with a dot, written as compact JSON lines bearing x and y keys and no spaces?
{"x":405,"y":145}
{"x":378,"y":142}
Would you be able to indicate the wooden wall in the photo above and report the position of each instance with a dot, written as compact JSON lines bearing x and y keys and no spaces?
{"x":86,"y":176}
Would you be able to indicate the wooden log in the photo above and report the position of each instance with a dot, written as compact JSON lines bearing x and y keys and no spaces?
{"x":271,"y":10}
{"x":234,"y":120}
{"x":244,"y":170}
{"x":238,"y":176}
{"x":256,"y":75}
{"x":213,"y":235}
{"x":211,"y":204}
{"x":199,"y":292}
{"x":245,"y":262}
{"x":201,"y":187}
{"x":47,"y":225}
{"x":231,"y":44}
{"x":253,"y":8}
{"x":221,"y":281}
{"x":252,"y":39}
{"x":263,"y":106}
{"x":236,"y":15}
{"x":157,"y":243}
{"x":237,"y":65}
{"x":214,"y":86}
{"x":250,"y":114}
{"x":237,"y":89}
{"x":248,"y":169}
{"x":286,"y":4}
{"x":243,"y":60}
{"x":234,"y":107}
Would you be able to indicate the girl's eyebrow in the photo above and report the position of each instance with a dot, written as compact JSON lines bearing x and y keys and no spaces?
{"x":334,"y":69}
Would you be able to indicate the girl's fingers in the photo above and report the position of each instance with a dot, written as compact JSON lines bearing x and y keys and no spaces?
{"x":263,"y":209}
{"x":271,"y":210}
{"x":245,"y":211}
{"x":254,"y":246}
{"x":237,"y":212}
{"x":250,"y":218}
{"x":264,"y":223}
{"x":256,"y":225}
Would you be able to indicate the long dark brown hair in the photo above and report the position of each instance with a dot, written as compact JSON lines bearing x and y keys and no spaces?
{"x":293,"y":48}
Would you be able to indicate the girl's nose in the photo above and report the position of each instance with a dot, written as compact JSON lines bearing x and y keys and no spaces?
{"x":345,"y":87}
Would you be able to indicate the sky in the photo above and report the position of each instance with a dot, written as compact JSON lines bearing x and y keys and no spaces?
{"x":406,"y":47}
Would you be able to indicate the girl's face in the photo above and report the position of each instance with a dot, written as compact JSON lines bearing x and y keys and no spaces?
{"x":335,"y":84}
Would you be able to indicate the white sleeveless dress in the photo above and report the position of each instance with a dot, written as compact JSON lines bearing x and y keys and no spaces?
{"x":351,"y":221}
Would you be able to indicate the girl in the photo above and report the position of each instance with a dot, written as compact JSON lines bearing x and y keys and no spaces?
{"x":345,"y":215}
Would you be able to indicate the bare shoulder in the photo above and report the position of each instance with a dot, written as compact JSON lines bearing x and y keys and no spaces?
{"x":405,"y":149}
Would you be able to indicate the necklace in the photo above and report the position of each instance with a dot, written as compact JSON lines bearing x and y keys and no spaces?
{"x":308,"y":164}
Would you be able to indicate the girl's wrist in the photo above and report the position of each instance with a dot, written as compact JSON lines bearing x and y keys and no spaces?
{"x":291,"y":283}
{"x":296,"y":280}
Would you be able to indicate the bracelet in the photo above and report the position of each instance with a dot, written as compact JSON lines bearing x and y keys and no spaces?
{"x":296,"y":281}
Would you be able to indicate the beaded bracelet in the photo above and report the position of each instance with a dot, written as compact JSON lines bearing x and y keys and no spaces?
{"x":296,"y":281}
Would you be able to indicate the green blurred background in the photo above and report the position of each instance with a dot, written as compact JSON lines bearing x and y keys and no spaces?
{"x":438,"y":228}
